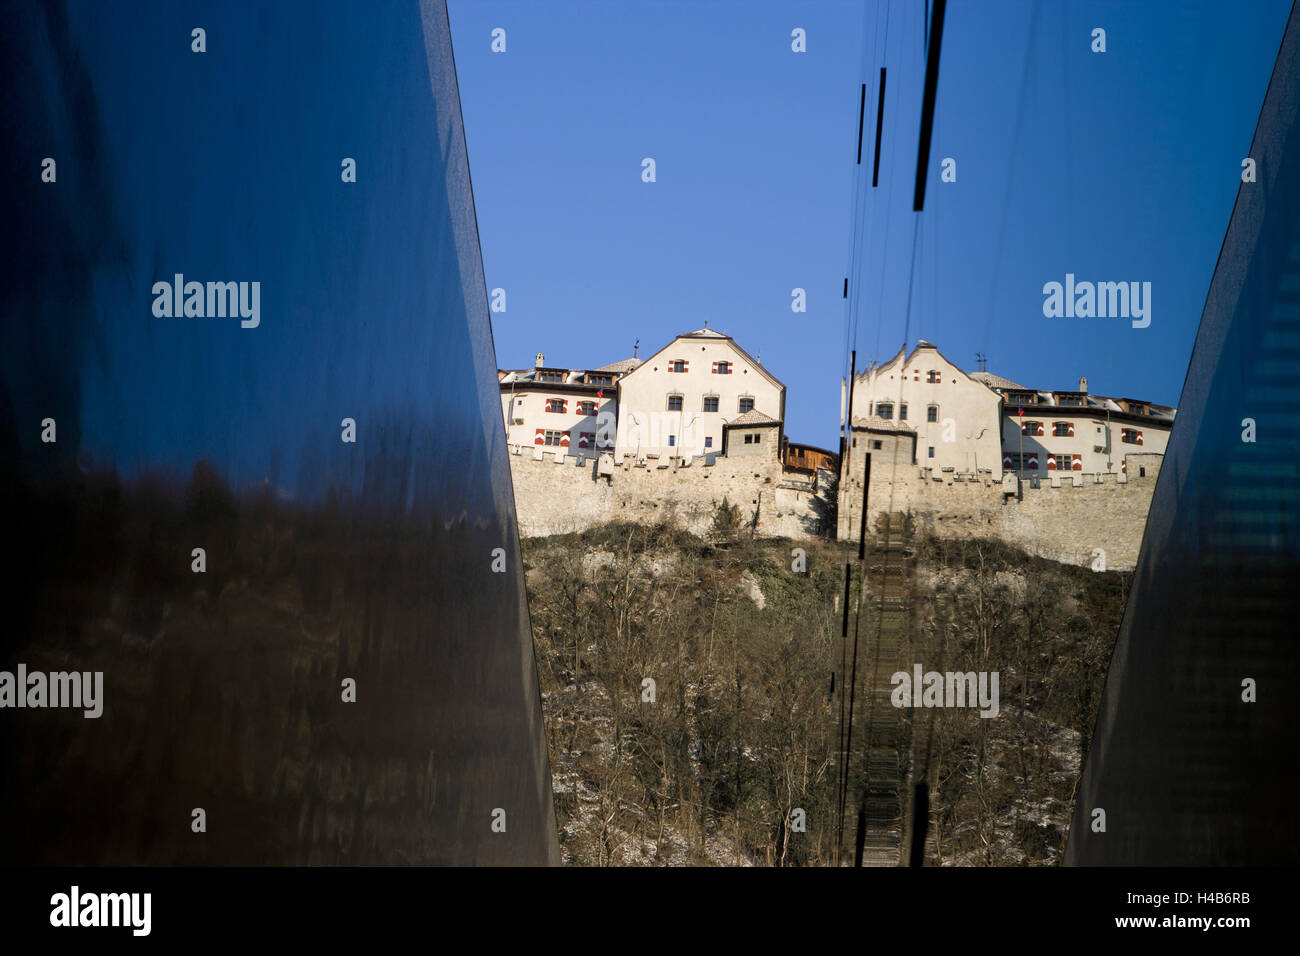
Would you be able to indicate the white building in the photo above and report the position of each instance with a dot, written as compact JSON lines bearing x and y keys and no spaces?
{"x":678,"y":402}
{"x":980,"y":424}
{"x":564,"y":408}
{"x":1050,"y":431}
{"x":953,"y":415}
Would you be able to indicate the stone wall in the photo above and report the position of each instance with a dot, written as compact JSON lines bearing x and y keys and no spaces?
{"x":559,"y":497}
{"x":1068,"y":518}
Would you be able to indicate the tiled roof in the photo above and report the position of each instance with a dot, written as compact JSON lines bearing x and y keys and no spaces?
{"x":753,"y":417}
{"x":624,"y":366}
{"x":995,"y":381}
{"x":878,"y":424}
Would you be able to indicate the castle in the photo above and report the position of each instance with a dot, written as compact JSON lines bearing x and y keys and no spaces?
{"x":1064,"y":474}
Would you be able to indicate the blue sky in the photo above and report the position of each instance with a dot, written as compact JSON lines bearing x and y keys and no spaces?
{"x":1116,"y":166}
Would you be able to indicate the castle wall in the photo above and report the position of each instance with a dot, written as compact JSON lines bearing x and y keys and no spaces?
{"x":1067,"y":518}
{"x":559,"y":497}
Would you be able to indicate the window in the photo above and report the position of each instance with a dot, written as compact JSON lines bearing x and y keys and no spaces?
{"x":1137,"y":409}
{"x":931,"y":452}
{"x":1032,"y":428}
{"x":749,"y":439}
{"x":555,"y":405}
{"x":746,"y":405}
{"x":722,"y":368}
{"x":1060,"y":462}
{"x":672,"y":441}
{"x":708,"y":441}
{"x":932,"y":413}
{"x":677,"y":366}
{"x":876,"y":444}
{"x":586,"y":408}
{"x":902,"y":412}
{"x":551,"y":376}
{"x":1014,"y":461}
{"x":1071,"y":400}
{"x":710,"y":403}
{"x":884,"y":410}
{"x":1130,"y":436}
{"x":674,"y":403}
{"x":1022,"y":398}
{"x":933,"y":377}
{"x":600,"y":379}
{"x":754,"y":438}
{"x":1063,"y":429}
{"x":553,"y":438}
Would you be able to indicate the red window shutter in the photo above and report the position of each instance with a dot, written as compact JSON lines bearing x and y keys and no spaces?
{"x":1051,"y":463}
{"x":1006,"y":461}
{"x":686,"y":366}
{"x":540,"y":437}
{"x":1139,"y":438}
{"x":564,"y":440}
{"x":714,"y":370}
{"x":1076,"y":463}
{"x":1071,"y":429}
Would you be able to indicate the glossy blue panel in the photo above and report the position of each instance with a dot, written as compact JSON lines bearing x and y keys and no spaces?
{"x":326,"y":559}
{"x":1187,"y":770}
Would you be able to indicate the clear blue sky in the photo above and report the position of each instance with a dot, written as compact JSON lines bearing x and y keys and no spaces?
{"x":1120,"y":166}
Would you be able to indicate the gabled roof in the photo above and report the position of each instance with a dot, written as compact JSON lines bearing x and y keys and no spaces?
{"x":903,"y":356}
{"x":624,"y":366}
{"x":995,"y":381}
{"x":710,"y":334}
{"x":875,"y":424}
{"x":751,"y":418}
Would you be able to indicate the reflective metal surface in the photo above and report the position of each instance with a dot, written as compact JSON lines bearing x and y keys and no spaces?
{"x":325,"y":560}
{"x":1185,"y":769}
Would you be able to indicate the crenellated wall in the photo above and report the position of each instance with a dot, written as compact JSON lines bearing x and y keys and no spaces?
{"x":1070,"y":517}
{"x":558,"y":497}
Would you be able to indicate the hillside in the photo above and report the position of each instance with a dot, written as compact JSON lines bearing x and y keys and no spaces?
{"x":743,"y":724}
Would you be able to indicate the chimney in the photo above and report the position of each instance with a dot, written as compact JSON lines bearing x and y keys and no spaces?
{"x":541,"y":360}
{"x":1083,"y":385}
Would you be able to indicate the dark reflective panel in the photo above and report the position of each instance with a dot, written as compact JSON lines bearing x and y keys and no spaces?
{"x":1185,"y":769}
{"x":239,"y":502}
